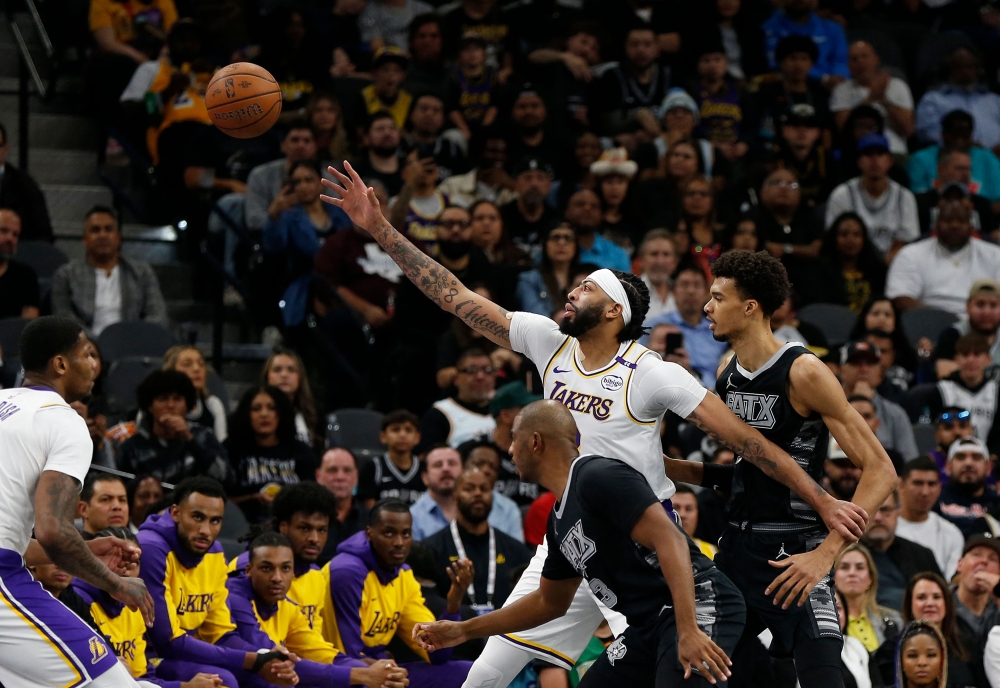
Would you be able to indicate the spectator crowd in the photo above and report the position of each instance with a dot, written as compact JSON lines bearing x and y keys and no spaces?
{"x":524,"y":146}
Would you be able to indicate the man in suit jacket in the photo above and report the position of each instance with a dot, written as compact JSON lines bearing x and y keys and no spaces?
{"x":20,"y":193}
{"x":105,"y":287}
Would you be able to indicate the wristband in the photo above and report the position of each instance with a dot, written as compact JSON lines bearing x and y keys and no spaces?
{"x":716,"y":477}
{"x":265,"y":656}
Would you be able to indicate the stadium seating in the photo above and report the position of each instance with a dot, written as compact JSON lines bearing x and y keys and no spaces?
{"x":134,"y":338}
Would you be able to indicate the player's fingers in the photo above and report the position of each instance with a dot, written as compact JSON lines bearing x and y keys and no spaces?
{"x":372,"y":198}
{"x":340,"y":177}
{"x":148,"y":610}
{"x":792,"y":593}
{"x":780,"y":580}
{"x":355,"y":177}
{"x":806,"y":590}
{"x":714,"y":669}
{"x":687,"y":668}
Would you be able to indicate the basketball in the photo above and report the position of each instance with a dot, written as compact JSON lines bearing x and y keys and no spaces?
{"x":243,"y":100}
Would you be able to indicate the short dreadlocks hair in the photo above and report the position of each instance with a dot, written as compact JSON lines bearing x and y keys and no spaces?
{"x":638,"y":300}
{"x":758,"y":276}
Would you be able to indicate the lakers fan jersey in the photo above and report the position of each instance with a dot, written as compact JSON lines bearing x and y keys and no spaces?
{"x":760,"y":399}
{"x":614,"y":417}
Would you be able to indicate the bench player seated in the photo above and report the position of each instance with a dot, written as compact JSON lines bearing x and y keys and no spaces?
{"x":374,"y":595}
{"x":265,"y":615}
{"x":302,"y":513}
{"x":610,"y":529}
{"x":125,"y":630}
{"x":184,"y":569}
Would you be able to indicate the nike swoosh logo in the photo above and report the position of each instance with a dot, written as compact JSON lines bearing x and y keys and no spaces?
{"x":556,"y":370}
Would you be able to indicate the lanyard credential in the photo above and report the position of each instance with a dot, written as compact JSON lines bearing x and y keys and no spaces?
{"x":491,"y":580}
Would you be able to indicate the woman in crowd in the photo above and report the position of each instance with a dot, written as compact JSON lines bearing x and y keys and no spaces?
{"x":856,"y":666}
{"x":143,"y":492}
{"x":855,"y":576}
{"x":326,"y":119}
{"x":738,"y":25}
{"x":928,"y":599}
{"x":922,"y":658}
{"x":293,"y":58}
{"x":544,"y":290}
{"x":697,"y":227}
{"x":679,"y":116}
{"x":743,"y":235}
{"x":660,"y":198}
{"x":208,"y":408}
{"x":880,"y":314}
{"x":263,"y":450}
{"x":284,"y":370}
{"x":847,"y":247}
{"x":489,"y":236}
{"x":615,"y":172}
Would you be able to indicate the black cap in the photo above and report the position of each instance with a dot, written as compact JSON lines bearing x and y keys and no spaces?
{"x":533,"y":162}
{"x":981,"y":540}
{"x":856,"y":351}
{"x":800,"y":115}
{"x":954,"y":190}
{"x":390,"y":53}
{"x":472,"y":38}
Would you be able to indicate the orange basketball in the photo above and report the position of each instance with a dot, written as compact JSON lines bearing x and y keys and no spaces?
{"x":243,"y":100}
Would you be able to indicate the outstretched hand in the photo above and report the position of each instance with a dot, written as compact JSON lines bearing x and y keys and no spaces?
{"x":121,"y":556}
{"x":696,"y":651}
{"x":353,"y":197}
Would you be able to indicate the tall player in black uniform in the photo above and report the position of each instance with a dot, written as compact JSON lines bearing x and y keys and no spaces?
{"x":610,"y":528}
{"x":794,"y":400}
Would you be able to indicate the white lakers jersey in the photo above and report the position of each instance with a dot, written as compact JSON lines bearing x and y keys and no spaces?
{"x":615,"y":419}
{"x":38,"y":432}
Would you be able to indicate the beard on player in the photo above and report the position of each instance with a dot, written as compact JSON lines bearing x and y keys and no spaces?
{"x":582,"y":320}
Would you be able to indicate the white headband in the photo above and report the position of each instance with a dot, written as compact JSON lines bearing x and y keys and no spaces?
{"x":611,"y":285}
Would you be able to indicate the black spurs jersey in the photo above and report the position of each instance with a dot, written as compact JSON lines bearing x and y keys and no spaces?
{"x":381,"y":478}
{"x":589,"y":534}
{"x":760,"y":399}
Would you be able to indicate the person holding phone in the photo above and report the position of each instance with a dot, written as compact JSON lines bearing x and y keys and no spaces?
{"x":419,"y":205}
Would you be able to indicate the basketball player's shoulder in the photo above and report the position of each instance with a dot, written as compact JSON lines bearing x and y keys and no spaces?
{"x":535,"y":336}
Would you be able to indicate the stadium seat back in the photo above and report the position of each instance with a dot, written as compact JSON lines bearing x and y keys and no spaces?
{"x":123,"y":378}
{"x":833,"y":320}
{"x":234,"y":524}
{"x":217,"y":387}
{"x":924,"y":435}
{"x":134,"y":338}
{"x":10,"y":336}
{"x":355,"y":429}
{"x":926,"y":322}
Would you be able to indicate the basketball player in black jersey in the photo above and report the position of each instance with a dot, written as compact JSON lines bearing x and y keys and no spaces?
{"x":775,"y":549}
{"x":610,"y":529}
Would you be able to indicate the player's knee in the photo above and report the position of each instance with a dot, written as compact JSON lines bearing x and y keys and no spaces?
{"x":818,"y":656}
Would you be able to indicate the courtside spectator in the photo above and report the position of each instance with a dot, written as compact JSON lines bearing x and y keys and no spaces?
{"x":283,"y":369}
{"x":105,"y":286}
{"x":488,"y":180}
{"x":20,"y":193}
{"x":544,"y":290}
{"x":396,"y":473}
{"x":628,"y":96}
{"x":144,"y":492}
{"x":940,"y":271}
{"x":338,"y":473}
{"x":269,"y":192}
{"x":963,"y":90}
{"x":103,"y":502}
{"x":799,"y":18}
{"x":800,"y":147}
{"x":208,"y":409}
{"x":849,"y":249}
{"x":493,"y":553}
{"x":264,"y":452}
{"x":919,"y":490}
{"x":583,"y":214}
{"x":528,"y":218}
{"x":425,"y":125}
{"x":889,"y":211}
{"x":388,"y":71}
{"x":957,"y":132}
{"x":657,"y":263}
{"x":19,"y":297}
{"x":954,"y":183}
{"x":897,"y":559}
{"x":165,"y":445}
{"x":966,"y":500}
{"x":975,"y":606}
{"x":873,"y":85}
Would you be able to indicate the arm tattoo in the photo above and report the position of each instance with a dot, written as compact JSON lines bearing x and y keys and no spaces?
{"x":752,"y":449}
{"x":438,"y":283}
{"x":67,"y":550}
